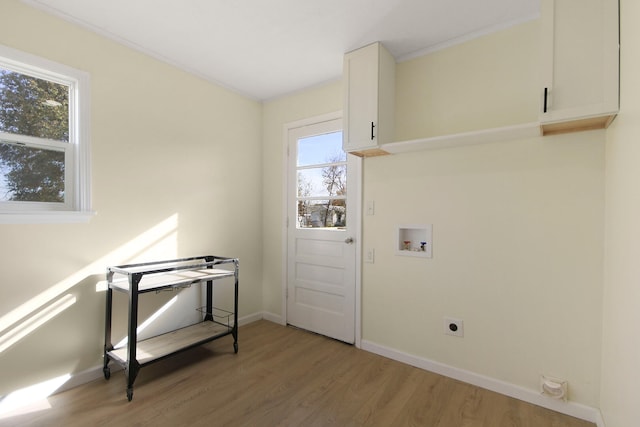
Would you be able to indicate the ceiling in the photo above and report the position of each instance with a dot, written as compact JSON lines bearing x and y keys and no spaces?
{"x":264,"y":49}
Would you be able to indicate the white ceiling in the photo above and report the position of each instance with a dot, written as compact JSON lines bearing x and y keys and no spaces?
{"x":267,"y":48}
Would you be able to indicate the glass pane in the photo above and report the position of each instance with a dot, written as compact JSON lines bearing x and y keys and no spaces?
{"x":323,"y":182}
{"x":322,"y":213}
{"x":33,"y":107}
{"x":320,"y":149}
{"x":30,"y":174}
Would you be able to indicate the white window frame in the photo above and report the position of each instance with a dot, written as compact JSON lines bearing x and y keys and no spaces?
{"x":77,"y":204}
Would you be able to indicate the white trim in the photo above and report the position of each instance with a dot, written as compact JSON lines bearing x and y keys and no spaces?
{"x":358,"y":232}
{"x":285,"y":222}
{"x":78,"y":209}
{"x":467,"y":37}
{"x":46,"y":217}
{"x":287,"y":127}
{"x":484,"y":136}
{"x":531,"y":396}
{"x":87,"y":376}
{"x":250,"y":318}
{"x":600,"y":420}
{"x":134,"y":46}
{"x":40,"y":67}
{"x":274,"y":318}
{"x":82,"y":159}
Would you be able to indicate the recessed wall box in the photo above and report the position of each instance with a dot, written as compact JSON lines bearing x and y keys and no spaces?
{"x":414,"y":240}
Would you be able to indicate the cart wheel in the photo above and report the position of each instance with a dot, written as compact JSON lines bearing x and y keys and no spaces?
{"x":129,"y":394}
{"x":107,"y":373}
{"x":235,"y":347}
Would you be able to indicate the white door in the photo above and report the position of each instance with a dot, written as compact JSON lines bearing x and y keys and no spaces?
{"x":321,"y":228}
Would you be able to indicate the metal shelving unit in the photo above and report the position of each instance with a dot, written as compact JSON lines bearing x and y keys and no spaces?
{"x":137,"y":279}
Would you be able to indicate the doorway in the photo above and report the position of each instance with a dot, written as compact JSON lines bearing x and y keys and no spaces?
{"x":323,"y":223}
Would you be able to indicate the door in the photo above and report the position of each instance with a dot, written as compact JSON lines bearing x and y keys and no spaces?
{"x":321,"y":247}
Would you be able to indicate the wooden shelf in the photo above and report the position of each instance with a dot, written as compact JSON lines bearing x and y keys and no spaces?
{"x":156,"y":282}
{"x":162,"y":345}
{"x":578,"y":125}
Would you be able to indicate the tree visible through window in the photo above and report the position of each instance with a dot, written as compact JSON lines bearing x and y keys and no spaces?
{"x":32,"y":169}
{"x":322,"y":182}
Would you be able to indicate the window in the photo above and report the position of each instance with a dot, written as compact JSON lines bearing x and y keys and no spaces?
{"x":44,"y":146}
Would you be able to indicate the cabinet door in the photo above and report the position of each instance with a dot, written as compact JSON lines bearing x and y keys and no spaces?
{"x":361,"y":98}
{"x":369,"y":100}
{"x":580,"y":52}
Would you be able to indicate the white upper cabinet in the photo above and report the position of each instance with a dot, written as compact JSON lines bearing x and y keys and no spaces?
{"x":580,"y":43}
{"x":369,"y":100}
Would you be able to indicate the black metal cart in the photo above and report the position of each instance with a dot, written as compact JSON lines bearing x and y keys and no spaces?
{"x":136,"y":279}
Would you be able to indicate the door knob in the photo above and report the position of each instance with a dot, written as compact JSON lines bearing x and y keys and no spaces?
{"x":348,"y":240}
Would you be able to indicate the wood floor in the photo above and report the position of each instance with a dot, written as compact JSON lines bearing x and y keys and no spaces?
{"x":286,"y":377}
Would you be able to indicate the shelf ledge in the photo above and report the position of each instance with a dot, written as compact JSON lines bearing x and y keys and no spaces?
{"x":163,"y":345}
{"x":526,"y":130}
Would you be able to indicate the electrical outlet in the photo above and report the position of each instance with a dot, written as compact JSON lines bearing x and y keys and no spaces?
{"x":369,"y":255}
{"x":454,"y":327}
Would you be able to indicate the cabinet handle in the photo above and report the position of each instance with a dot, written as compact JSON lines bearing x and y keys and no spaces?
{"x":546,"y":95}
{"x":372,"y":126}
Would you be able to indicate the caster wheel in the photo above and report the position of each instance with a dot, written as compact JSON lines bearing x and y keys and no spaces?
{"x":235,"y":347}
{"x":107,"y":373}
{"x":129,"y":394}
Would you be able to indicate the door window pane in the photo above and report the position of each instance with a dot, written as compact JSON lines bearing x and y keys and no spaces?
{"x":322,"y":213}
{"x":322,"y":182}
{"x":319,"y":149}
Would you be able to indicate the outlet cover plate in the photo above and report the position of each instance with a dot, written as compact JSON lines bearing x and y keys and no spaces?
{"x":453,"y":327}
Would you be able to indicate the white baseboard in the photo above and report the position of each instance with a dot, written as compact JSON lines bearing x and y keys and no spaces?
{"x":86,"y":376}
{"x":245,"y":320}
{"x":531,"y":396}
{"x":271,"y":317}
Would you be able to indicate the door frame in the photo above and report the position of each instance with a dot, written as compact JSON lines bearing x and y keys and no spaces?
{"x":287,"y":127}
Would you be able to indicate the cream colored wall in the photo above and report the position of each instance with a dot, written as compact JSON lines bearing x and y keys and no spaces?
{"x":621,"y":335}
{"x":176,"y":171}
{"x":517,"y":255}
{"x":278,"y":113}
{"x":492,"y":81}
{"x":517,"y":226}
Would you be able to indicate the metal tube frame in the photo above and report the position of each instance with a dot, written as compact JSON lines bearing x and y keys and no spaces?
{"x":132,"y":366}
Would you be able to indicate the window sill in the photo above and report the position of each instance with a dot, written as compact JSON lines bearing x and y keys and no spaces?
{"x":46,"y":217}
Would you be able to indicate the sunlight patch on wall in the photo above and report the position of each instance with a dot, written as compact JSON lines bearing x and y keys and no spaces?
{"x":159,"y":240}
{"x":32,"y":398}
{"x":150,"y":320}
{"x":36,"y":320}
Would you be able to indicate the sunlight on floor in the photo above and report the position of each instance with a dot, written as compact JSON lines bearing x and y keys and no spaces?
{"x":32,"y":398}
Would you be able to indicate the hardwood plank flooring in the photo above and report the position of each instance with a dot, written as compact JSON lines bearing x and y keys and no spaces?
{"x":283,"y":376}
